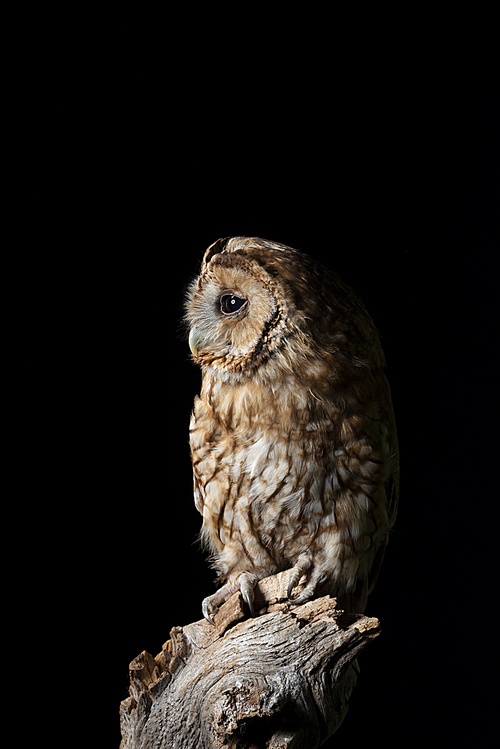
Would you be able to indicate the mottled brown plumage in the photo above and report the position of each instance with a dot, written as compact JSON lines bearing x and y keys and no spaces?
{"x":293,"y":440}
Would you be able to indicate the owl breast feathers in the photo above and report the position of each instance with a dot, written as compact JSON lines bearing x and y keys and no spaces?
{"x":293,"y":440}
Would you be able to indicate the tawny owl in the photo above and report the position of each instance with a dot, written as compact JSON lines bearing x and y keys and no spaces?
{"x":293,"y":440}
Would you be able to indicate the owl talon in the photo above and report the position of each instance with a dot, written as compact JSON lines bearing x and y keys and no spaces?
{"x":245,"y":585}
{"x":205,"y":608}
{"x":315,"y":577}
{"x":210,"y":604}
{"x":304,"y":597}
{"x":300,"y":569}
{"x":294,"y":579}
{"x":246,"y":589}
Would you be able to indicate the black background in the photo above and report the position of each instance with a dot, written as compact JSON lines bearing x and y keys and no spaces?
{"x":385,"y":172}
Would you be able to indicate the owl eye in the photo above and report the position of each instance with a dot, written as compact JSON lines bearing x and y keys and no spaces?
{"x":229,"y":303}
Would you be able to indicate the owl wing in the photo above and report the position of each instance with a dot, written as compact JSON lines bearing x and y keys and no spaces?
{"x":199,"y":448}
{"x":210,"y":471}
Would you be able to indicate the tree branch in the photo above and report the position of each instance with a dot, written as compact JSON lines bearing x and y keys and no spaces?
{"x":282,"y":679}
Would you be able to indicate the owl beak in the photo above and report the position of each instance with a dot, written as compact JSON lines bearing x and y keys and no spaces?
{"x":195,"y":341}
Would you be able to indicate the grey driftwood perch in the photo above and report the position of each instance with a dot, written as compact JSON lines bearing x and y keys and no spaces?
{"x":282,"y":679}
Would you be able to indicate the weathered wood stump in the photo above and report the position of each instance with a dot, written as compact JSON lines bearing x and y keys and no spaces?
{"x":282,"y":679}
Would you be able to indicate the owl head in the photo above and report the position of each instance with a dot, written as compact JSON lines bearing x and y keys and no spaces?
{"x":256,"y":302}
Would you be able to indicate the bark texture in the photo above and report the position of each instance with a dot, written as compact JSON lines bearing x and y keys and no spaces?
{"x":282,"y":679}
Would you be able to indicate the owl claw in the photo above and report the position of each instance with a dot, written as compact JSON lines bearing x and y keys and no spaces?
{"x":247,"y":595}
{"x":303,"y":567}
{"x":300,"y":569}
{"x":294,"y":579}
{"x":210,"y":604}
{"x":304,"y":597}
{"x":206,"y":608}
{"x":245,"y":585}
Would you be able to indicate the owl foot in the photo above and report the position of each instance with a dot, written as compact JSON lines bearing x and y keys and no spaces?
{"x":245,"y":584}
{"x":302,"y":568}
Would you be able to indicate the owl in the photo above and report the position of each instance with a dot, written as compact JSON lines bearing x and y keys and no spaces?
{"x":293,"y":440}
